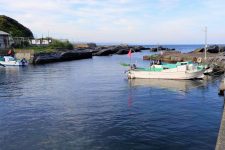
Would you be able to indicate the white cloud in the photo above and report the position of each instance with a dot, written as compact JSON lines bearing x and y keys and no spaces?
{"x":166,"y":5}
{"x":163,"y":21}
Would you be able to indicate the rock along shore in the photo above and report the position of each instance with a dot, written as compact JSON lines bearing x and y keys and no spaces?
{"x":84,"y":53}
{"x":215,"y":56}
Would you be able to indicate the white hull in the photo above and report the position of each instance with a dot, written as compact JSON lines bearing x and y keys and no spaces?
{"x":208,"y":71}
{"x":13,"y":63}
{"x":166,"y":74}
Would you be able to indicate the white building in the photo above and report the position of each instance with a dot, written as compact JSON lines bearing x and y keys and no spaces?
{"x":4,"y":40}
{"x":41,"y":41}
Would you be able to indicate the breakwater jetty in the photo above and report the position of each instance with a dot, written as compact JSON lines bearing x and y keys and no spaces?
{"x":43,"y":58}
{"x":83,"y":52}
{"x":80,"y":51}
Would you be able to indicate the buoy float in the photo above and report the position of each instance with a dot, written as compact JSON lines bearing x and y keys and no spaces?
{"x":199,"y":60}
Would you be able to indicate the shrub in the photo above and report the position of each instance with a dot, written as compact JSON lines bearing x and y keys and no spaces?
{"x":57,"y":44}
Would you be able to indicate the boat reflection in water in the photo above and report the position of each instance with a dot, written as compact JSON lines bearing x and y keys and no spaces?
{"x":10,"y":70}
{"x":172,"y":85}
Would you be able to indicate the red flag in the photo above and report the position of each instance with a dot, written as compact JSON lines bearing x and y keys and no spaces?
{"x":10,"y":52}
{"x":129,"y":53}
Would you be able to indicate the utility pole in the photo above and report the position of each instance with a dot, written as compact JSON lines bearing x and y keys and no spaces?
{"x":205,"y":42}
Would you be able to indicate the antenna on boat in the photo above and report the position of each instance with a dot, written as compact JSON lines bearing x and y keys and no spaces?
{"x":205,"y":41}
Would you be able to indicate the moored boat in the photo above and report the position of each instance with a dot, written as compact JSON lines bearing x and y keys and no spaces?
{"x":11,"y":61}
{"x":178,"y":71}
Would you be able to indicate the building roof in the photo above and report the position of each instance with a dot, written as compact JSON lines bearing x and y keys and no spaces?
{"x":3,"y":33}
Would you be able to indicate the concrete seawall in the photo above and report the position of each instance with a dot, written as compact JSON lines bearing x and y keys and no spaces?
{"x":43,"y":58}
{"x":220,"y":145}
{"x":27,"y":54}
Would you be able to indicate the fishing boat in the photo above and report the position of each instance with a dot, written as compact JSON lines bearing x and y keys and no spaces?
{"x":11,"y":61}
{"x":178,"y":71}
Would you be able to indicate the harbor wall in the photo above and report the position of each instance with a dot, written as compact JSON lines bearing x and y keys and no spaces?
{"x":27,"y":54}
{"x":220,"y":144}
{"x":3,"y":52}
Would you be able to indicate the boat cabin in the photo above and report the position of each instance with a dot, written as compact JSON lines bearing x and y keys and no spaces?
{"x":183,"y":63}
{"x":7,"y":58}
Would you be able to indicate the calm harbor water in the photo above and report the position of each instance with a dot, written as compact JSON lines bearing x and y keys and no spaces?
{"x":89,"y":104}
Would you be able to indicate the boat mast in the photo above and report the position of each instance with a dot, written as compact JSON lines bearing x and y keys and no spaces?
{"x":205,"y":42}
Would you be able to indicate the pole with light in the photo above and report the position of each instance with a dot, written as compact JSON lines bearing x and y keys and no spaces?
{"x":205,"y":42}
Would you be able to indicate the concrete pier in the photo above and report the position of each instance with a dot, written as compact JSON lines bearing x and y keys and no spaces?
{"x":220,"y":145}
{"x":222,"y":88}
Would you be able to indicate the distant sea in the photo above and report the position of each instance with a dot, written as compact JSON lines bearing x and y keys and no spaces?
{"x":182,"y":48}
{"x":178,"y":47}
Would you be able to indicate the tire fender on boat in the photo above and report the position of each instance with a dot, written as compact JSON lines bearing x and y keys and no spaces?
{"x":199,"y":60}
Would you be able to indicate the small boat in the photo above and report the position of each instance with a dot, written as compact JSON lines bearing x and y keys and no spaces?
{"x":11,"y":61}
{"x":178,"y":71}
{"x":208,"y":71}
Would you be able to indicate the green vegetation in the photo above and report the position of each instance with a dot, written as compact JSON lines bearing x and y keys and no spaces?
{"x":41,"y":49}
{"x":16,"y":29}
{"x":13,"y":27}
{"x":55,"y":46}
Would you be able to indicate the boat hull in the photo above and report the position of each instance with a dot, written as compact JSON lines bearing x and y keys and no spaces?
{"x":208,"y":71}
{"x":13,"y":63}
{"x":178,"y":75}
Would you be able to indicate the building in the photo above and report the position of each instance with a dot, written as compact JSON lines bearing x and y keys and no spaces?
{"x":41,"y":41}
{"x":4,"y":40}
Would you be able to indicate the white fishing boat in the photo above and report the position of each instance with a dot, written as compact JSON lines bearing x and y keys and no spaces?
{"x":11,"y":61}
{"x":178,"y":71}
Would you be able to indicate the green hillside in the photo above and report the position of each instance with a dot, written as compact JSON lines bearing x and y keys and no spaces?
{"x":13,"y":27}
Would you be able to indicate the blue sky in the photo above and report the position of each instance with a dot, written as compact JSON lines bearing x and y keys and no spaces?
{"x":122,"y":21}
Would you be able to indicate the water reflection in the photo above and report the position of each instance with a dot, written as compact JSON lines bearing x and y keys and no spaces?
{"x":172,"y":85}
{"x":10,"y":70}
{"x":130,"y":100}
{"x":58,"y":106}
{"x":13,"y":70}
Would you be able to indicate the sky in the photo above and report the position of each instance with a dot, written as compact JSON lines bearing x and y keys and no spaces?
{"x":122,"y":21}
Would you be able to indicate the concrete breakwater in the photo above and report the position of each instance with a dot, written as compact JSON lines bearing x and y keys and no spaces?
{"x":43,"y":58}
{"x":111,"y":50}
{"x":83,"y":53}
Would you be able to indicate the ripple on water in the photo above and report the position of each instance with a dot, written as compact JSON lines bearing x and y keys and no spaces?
{"x":88,"y":104}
